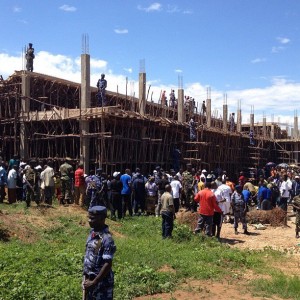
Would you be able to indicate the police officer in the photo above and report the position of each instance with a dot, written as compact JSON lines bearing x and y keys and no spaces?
{"x":187,"y":185}
{"x":66,"y":176}
{"x":98,"y":281}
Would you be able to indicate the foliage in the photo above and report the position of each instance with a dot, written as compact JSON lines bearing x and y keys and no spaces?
{"x":50,"y":267}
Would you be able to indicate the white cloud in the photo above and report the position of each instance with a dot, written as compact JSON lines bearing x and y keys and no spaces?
{"x":152,"y":7}
{"x":258,"y":60}
{"x":17,"y":9}
{"x":172,"y":9}
{"x":129,"y":70}
{"x":188,"y":12}
{"x":178,"y":71}
{"x":23,"y":21}
{"x":121,"y":31}
{"x":283,"y":40}
{"x":68,"y":8}
{"x":277,"y":49}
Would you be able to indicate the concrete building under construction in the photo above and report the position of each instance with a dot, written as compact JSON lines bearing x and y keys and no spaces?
{"x":46,"y":117}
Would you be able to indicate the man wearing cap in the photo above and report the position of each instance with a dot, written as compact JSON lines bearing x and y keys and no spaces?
{"x":98,"y":281}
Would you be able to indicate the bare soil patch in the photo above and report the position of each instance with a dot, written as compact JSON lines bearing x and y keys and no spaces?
{"x":205,"y":289}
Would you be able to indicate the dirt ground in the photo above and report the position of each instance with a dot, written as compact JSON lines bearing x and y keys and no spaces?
{"x":279,"y":238}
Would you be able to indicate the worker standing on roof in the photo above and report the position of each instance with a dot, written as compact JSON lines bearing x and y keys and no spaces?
{"x":29,"y":58}
{"x":101,"y":85}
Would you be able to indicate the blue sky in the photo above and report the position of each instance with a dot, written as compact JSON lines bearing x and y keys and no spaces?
{"x":248,"y":49}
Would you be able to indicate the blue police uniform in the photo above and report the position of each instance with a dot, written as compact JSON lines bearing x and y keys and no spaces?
{"x":100,"y":248}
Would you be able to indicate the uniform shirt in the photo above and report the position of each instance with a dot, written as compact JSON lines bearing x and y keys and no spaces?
{"x":187,"y":180}
{"x":208,"y":202}
{"x":100,"y":248}
{"x":93,"y":182}
{"x":166,"y":202}
{"x":176,"y":186}
{"x":237,"y":201}
{"x":65,"y":171}
{"x":3,"y":176}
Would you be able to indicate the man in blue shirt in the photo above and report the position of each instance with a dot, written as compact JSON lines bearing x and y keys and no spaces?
{"x":126,"y":192}
{"x":3,"y":182}
{"x":264,"y":197}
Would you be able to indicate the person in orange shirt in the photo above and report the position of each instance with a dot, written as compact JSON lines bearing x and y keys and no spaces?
{"x":207,"y":206}
{"x":230,"y":184}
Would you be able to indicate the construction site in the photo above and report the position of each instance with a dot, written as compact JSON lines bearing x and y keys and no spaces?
{"x":46,"y":117}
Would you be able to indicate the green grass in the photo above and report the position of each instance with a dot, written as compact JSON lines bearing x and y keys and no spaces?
{"x":50,"y":268}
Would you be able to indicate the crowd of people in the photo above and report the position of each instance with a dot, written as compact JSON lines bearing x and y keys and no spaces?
{"x":213,"y":194}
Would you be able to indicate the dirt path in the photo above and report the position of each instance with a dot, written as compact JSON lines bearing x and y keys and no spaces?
{"x":279,"y":238}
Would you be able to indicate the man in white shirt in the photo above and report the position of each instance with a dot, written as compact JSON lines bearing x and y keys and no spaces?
{"x":176,"y":191}
{"x":47,"y":177}
{"x":12,"y":184}
{"x":226,"y":191}
{"x":284,"y":193}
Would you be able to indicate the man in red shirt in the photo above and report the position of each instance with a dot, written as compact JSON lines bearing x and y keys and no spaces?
{"x":79,"y":186}
{"x":208,"y":205}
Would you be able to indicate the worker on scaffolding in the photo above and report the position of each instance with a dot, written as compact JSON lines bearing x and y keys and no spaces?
{"x":172,"y":99}
{"x":251,"y":136}
{"x":29,"y":56}
{"x":101,"y":85}
{"x":193,"y":132}
{"x":203,"y":108}
{"x":231,"y":121}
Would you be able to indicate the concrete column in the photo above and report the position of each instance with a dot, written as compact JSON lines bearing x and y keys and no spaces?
{"x":180,"y":106}
{"x":208,"y":112}
{"x":272,"y":135}
{"x":25,"y":108}
{"x":252,"y":122}
{"x":85,"y":102}
{"x":296,"y":132}
{"x":225,"y":117}
{"x":142,"y":93}
{"x":264,"y":129}
{"x":239,"y":121}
